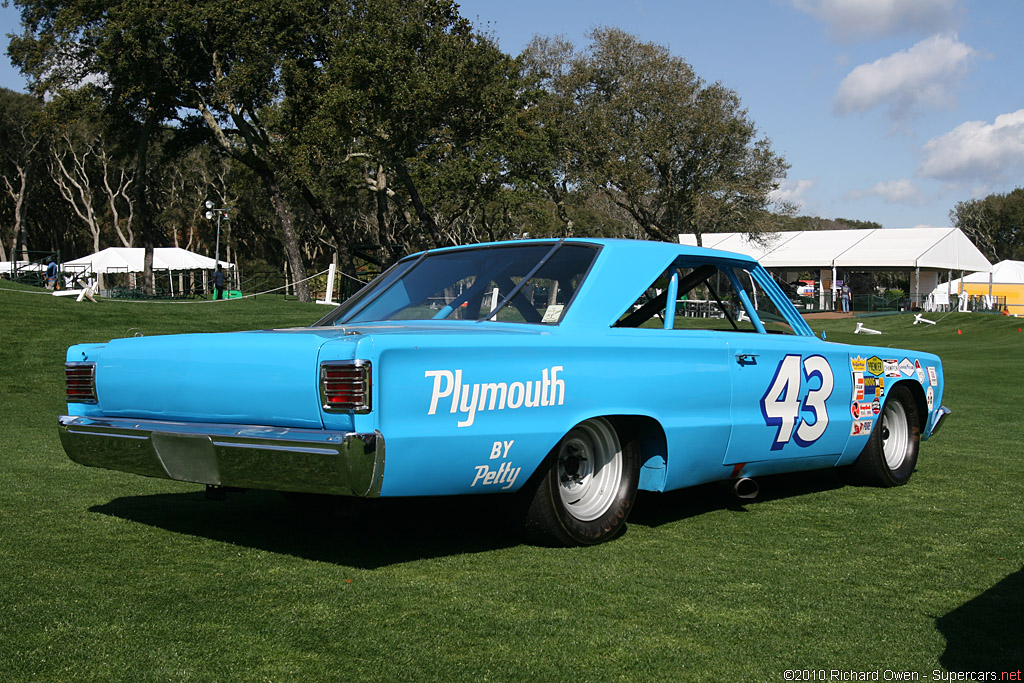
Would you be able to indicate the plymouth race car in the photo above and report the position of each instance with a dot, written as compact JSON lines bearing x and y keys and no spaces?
{"x":570,"y":373}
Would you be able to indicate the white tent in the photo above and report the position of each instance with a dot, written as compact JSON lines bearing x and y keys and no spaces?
{"x":131,"y":260}
{"x":10,"y":267}
{"x":925,"y":251}
{"x":931,"y":248}
{"x":1003,"y":273}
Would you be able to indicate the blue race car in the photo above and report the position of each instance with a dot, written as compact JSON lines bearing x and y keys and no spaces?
{"x":568,"y":372}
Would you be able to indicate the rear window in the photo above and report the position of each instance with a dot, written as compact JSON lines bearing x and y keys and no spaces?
{"x":522,"y":283}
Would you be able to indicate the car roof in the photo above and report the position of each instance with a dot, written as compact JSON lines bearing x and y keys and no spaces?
{"x":629,"y":246}
{"x":621,"y":273}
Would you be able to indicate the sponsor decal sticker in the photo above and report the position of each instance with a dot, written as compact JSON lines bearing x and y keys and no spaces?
{"x":864,"y":410}
{"x":875,"y":365}
{"x":876,"y":407}
{"x":874,"y":385}
{"x":466,"y":400}
{"x":919,"y":370}
{"x":861,"y":427}
{"x":891,"y":367}
{"x":906,"y":367}
{"x":929,"y":396}
{"x":858,"y":386}
{"x":858,"y":364}
{"x":933,"y":377}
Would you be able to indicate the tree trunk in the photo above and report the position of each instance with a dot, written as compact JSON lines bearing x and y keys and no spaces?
{"x":142,"y":178}
{"x":381,"y":194}
{"x":286,"y":233}
{"x":417,"y":202}
{"x":341,"y":241}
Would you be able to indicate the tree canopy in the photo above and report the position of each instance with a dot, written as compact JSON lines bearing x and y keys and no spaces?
{"x":995,"y":224}
{"x":365,"y":128}
{"x":636,"y":123}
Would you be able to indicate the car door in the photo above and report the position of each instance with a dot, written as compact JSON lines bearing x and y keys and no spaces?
{"x":791,"y":391}
{"x":791,"y":398}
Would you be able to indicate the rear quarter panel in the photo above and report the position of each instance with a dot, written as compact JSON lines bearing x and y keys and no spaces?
{"x":550,"y":382}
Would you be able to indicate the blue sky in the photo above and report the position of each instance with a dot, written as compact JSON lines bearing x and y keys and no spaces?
{"x":887,"y":110}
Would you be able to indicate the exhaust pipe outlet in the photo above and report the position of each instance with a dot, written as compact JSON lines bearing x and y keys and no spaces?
{"x":745,"y":488}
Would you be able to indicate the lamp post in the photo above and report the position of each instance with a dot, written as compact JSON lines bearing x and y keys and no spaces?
{"x":210,"y":211}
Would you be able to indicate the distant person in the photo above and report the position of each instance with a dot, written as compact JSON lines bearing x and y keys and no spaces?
{"x":218,"y":283}
{"x":51,"y":275}
{"x":846,"y":298}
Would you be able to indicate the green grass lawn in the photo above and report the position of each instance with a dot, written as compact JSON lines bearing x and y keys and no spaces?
{"x":105,"y":575}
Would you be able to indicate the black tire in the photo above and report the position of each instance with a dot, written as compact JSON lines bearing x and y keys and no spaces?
{"x":588,"y":489}
{"x":890,"y":456}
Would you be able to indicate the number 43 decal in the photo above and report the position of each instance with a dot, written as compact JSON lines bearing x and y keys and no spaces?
{"x":781,"y":405}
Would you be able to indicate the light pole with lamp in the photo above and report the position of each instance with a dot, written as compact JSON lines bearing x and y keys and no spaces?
{"x":221,"y":212}
{"x":210,"y":211}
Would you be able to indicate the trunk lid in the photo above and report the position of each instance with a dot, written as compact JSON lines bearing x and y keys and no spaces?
{"x":264,"y":377}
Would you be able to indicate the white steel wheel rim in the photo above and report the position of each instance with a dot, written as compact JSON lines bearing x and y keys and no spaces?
{"x":895,"y":434}
{"x":589,"y":469}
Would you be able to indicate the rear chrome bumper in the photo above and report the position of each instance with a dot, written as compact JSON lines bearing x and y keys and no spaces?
{"x":243,"y":456}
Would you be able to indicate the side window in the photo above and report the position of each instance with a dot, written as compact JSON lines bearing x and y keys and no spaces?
{"x":773,"y":320}
{"x":707,"y":300}
{"x":708,"y":297}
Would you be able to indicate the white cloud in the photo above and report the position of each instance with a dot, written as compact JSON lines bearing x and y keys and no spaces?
{"x":977,"y":151}
{"x":792,"y":191}
{"x":923,"y":76}
{"x":850,"y":20}
{"x":893,"y":192}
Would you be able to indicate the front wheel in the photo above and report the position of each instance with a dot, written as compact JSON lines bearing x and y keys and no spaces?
{"x":890,"y":455}
{"x":589,"y":487}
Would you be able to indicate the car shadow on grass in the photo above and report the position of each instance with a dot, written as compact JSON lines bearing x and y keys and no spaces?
{"x":987,"y":633}
{"x":361,"y":533}
{"x":372,"y":533}
{"x":655,"y":509}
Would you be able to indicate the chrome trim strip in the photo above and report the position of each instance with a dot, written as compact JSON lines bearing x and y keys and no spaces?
{"x":243,"y":456}
{"x":291,"y":448}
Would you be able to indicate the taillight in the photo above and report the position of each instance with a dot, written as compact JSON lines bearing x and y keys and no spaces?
{"x":345,"y":386}
{"x":80,"y":382}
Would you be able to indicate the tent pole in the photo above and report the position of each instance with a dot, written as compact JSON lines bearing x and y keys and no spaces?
{"x":949,"y":286}
{"x":916,"y":296}
{"x":833,"y":286}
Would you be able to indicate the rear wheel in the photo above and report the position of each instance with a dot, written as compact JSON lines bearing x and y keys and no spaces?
{"x":588,"y":489}
{"x":890,"y":455}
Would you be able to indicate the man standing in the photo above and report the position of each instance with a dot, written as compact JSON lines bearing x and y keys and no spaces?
{"x":218,"y":283}
{"x":846,"y":298}
{"x":51,"y":275}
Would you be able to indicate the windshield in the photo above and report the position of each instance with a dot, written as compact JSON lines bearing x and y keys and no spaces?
{"x":524,"y":283}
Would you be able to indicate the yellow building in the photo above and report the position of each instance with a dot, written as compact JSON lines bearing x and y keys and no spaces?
{"x":1007,"y":281}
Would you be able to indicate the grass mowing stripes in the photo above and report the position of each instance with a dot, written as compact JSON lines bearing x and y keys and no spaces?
{"x":110,"y":576}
